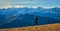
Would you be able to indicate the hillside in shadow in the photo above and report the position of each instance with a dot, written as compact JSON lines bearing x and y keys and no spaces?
{"x":26,"y":20}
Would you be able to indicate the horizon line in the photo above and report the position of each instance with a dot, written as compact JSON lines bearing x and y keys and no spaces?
{"x":28,"y":7}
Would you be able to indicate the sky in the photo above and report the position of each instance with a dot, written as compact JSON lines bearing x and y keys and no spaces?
{"x":29,"y":3}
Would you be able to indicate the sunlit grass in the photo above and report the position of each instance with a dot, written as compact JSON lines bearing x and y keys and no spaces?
{"x":48,"y":27}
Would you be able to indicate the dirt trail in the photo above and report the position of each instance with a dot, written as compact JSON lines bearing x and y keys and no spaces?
{"x":48,"y":27}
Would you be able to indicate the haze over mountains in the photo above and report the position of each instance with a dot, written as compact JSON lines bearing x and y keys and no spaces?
{"x":19,"y":17}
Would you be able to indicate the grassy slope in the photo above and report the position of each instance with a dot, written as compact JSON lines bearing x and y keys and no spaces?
{"x":48,"y":27}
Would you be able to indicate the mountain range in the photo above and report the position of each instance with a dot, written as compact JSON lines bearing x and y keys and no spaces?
{"x":19,"y":17}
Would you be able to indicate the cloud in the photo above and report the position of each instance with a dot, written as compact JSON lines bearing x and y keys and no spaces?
{"x":24,"y":2}
{"x":21,"y":4}
{"x":15,"y":4}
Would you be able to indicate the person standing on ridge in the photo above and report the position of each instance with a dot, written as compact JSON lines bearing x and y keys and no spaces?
{"x":35,"y":20}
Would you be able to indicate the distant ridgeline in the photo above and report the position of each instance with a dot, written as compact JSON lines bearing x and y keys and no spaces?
{"x":19,"y":17}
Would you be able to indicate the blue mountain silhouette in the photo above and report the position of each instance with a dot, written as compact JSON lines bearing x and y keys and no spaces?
{"x":19,"y":17}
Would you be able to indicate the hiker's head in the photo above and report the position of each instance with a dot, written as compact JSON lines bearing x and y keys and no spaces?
{"x":35,"y":18}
